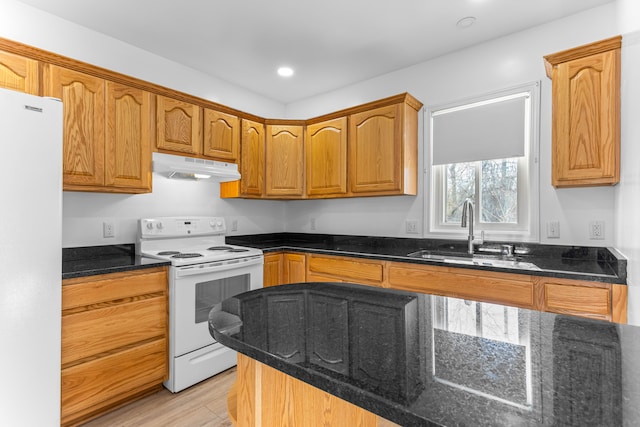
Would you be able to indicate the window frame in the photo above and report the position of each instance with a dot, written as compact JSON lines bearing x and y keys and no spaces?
{"x":527,"y":229}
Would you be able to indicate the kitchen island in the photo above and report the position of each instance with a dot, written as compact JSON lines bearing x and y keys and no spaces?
{"x":422,"y":360}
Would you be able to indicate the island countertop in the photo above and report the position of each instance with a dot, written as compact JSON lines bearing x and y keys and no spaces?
{"x":424,"y":360}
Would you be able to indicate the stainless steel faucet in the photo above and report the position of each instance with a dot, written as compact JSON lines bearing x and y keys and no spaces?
{"x":467,"y":209}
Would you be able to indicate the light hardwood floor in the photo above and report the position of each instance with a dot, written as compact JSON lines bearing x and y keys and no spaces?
{"x":203,"y":405}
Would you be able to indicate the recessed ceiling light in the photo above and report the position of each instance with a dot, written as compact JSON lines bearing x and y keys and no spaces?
{"x":285,"y":71}
{"x":466,"y":22}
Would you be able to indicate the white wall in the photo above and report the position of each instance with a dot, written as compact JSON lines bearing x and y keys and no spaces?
{"x":83,"y":213}
{"x":499,"y":64}
{"x":627,"y":201}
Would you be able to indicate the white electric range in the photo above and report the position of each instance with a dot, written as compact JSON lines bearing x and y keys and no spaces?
{"x":204,"y":271}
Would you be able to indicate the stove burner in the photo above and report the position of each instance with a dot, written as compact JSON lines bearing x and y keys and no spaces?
{"x":238,"y":250}
{"x":219,"y":248}
{"x":187,"y":255}
{"x":168,"y":253}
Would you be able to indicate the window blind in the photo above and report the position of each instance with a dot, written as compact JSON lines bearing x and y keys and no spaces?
{"x":493,"y":129}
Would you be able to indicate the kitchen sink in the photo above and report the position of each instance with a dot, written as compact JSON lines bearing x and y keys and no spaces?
{"x":483,"y":261}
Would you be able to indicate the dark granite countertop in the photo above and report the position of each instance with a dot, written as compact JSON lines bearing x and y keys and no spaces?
{"x":94,"y":260}
{"x":597,"y":264}
{"x":423,"y":360}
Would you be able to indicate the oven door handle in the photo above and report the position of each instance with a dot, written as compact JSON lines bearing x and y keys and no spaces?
{"x":216,"y":266}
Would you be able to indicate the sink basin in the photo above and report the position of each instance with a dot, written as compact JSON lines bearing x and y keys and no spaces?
{"x":484,"y":261}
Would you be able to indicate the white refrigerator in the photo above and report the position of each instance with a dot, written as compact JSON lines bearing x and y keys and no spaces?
{"x":30,"y":259}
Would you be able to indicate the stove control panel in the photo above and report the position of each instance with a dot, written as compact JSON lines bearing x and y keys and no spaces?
{"x":181,"y":226}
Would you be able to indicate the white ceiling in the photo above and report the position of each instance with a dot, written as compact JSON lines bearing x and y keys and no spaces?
{"x":329,"y":43}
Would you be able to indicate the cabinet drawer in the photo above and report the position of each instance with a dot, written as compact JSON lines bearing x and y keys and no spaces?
{"x":92,"y":332}
{"x":351,"y":270}
{"x":500,"y":288}
{"x":86,"y":291}
{"x":578,"y":300}
{"x":88,"y":387}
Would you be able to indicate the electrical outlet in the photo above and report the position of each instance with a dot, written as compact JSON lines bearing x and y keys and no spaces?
{"x":596,"y":230}
{"x":108,"y":229}
{"x":553,"y":229}
{"x":411,"y":226}
{"x":312,"y":223}
{"x":234,"y":225}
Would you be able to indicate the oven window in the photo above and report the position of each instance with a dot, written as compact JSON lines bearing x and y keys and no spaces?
{"x":213,"y":292}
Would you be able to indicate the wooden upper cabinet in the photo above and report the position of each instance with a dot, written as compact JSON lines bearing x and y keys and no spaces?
{"x":107,"y":132}
{"x":83,"y":97}
{"x":221,"y":135}
{"x":178,"y":126}
{"x":128,"y":137}
{"x":18,"y":73}
{"x":586,"y":114}
{"x":326,"y":154}
{"x":383,"y":149}
{"x":252,"y":158}
{"x":285,"y":161}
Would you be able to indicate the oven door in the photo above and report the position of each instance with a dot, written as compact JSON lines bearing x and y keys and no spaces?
{"x":194,"y":290}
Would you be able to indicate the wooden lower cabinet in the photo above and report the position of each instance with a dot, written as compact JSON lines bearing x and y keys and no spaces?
{"x":595,"y":300}
{"x":272,"y":275}
{"x":114,"y":341}
{"x":265,"y":396}
{"x":294,"y":268}
{"x":282,"y":268}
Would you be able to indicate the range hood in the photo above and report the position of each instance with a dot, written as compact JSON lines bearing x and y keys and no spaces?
{"x":182,"y":167}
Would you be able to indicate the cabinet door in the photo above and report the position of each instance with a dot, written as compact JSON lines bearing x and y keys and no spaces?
{"x":221,"y":135}
{"x":375,"y":150}
{"x":178,"y":126}
{"x":252,"y":158}
{"x":83,"y":133}
{"x":285,"y":160}
{"x":294,"y":270}
{"x":272,"y":270}
{"x":18,"y":73}
{"x":128,"y":137}
{"x":586,"y":121}
{"x":326,"y":152}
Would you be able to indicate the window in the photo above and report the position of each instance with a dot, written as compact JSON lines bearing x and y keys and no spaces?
{"x":485,"y":150}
